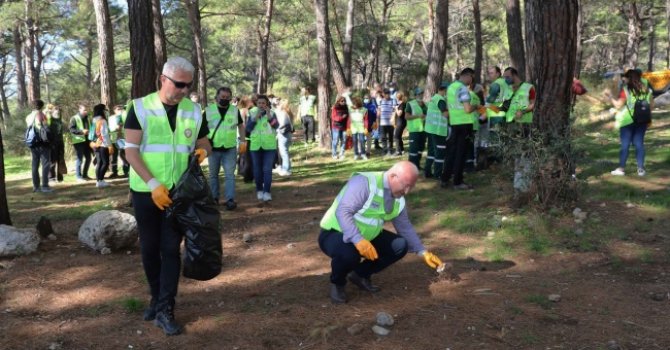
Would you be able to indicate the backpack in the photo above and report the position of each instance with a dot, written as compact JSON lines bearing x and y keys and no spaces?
{"x":31,"y":136}
{"x":641,"y":112}
{"x":45,"y":134}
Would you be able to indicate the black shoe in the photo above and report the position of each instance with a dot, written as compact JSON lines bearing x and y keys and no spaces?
{"x":125,"y":176}
{"x":113,"y":176}
{"x":337,"y":294}
{"x":363,"y":283}
{"x":150,"y":312}
{"x":165,"y":320}
{"x":230,"y":204}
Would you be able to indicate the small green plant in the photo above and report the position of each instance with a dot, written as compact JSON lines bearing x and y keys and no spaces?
{"x":132,"y":304}
{"x":540,"y":300}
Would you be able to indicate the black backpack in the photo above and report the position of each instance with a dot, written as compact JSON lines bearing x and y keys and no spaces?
{"x":31,"y":136}
{"x":641,"y":113}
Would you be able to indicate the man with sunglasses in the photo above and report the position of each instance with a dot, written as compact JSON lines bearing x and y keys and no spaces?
{"x":162,"y":130}
{"x":353,"y":228}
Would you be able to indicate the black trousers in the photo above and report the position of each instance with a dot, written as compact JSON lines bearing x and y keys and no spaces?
{"x":387,"y":138}
{"x":41,"y":155}
{"x":102,"y":155}
{"x":159,"y":243}
{"x":114,"y":161}
{"x":83,"y":152}
{"x":345,"y":257}
{"x":417,"y":143}
{"x":400,"y":126}
{"x":457,"y":145}
{"x":308,"y":124}
{"x":58,"y":168}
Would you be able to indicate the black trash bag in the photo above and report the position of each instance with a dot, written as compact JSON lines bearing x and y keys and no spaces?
{"x":196,"y":216}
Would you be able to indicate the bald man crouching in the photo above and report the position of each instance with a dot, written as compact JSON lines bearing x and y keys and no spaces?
{"x":353,"y":228}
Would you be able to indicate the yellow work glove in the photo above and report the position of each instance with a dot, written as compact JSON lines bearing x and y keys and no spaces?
{"x":160,"y":195}
{"x":431,"y":260}
{"x":366,"y":249}
{"x":243,"y":148}
{"x":201,"y":154}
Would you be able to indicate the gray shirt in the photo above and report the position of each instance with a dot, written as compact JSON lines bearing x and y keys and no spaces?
{"x":354,"y":199}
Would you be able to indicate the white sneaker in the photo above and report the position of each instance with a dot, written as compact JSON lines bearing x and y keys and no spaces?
{"x":618,"y":172}
{"x":284,"y":173}
{"x":641,"y":172}
{"x":259,"y":195}
{"x":356,"y":157}
{"x":276,"y":170}
{"x":267,"y":197}
{"x":364,"y":157}
{"x":101,"y":184}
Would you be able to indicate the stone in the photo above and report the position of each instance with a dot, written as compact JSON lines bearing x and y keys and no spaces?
{"x":662,"y":100}
{"x":247,"y":238}
{"x":554,"y":298}
{"x":105,"y":251}
{"x":52,"y":237}
{"x":490,"y":234}
{"x":290,"y":246}
{"x":381,"y":331}
{"x":659,"y":296}
{"x":613,"y":345}
{"x":355,"y":328}
{"x":17,"y":241}
{"x":384,"y":319}
{"x":579,"y":231}
{"x":109,"y":229}
{"x":44,"y":228}
{"x":630,"y":205}
{"x":576,"y":211}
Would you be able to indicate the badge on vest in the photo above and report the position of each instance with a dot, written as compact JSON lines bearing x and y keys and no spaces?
{"x":374,"y":205}
{"x":188,"y":133}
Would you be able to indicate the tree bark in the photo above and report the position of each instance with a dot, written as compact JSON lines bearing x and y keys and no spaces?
{"x":478,"y":40}
{"x":439,"y":49}
{"x":194,"y":18}
{"x":515,"y":37}
{"x":634,"y":37}
{"x":667,"y":18}
{"x":323,"y":89}
{"x":341,"y":82}
{"x":551,"y":30}
{"x":21,"y":92}
{"x":160,"y":48}
{"x":5,"y":219}
{"x":106,"y":53}
{"x":347,"y":42}
{"x":652,"y":41}
{"x":579,"y":39}
{"x":264,"y":43}
{"x":30,"y":47}
{"x":373,"y":57}
{"x":431,"y":27}
{"x":4,"y":80}
{"x":142,"y":53}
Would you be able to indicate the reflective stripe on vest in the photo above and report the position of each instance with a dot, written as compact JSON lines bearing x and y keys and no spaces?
{"x":415,"y":125}
{"x":457,"y":113}
{"x":226,"y":135}
{"x":263,"y":136}
{"x":357,"y":117}
{"x":164,"y":152}
{"x":623,"y":116}
{"x":504,"y":93}
{"x":371,"y":217}
{"x":436,"y":123}
{"x":520,"y":102}
{"x":80,"y":126}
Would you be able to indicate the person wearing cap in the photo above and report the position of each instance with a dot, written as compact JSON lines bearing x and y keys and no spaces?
{"x":353,"y":234}
{"x":437,"y":130}
{"x":415,"y":113}
{"x":387,"y":108}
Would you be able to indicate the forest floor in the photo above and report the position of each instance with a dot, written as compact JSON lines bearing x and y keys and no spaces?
{"x":612,"y":271}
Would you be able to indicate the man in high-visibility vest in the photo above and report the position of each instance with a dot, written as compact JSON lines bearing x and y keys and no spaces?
{"x":352,"y":228}
{"x":79,"y":128}
{"x":437,"y":130}
{"x":115,"y":124}
{"x":307,"y":113}
{"x":415,"y":113}
{"x":162,"y":130}
{"x":461,"y":120}
{"x":226,"y":131}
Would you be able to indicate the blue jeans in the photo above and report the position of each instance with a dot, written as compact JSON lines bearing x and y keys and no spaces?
{"x":227,"y":159}
{"x":263,"y":160}
{"x":359,"y":143}
{"x":338,"y":135}
{"x":283,"y":142}
{"x":40,"y":154}
{"x":633,"y":133}
{"x":83,"y":152}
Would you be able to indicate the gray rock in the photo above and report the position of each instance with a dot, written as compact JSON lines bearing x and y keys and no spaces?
{"x":662,"y":100}
{"x":576,"y":211}
{"x":247,"y":238}
{"x":384,"y":319}
{"x":290,"y":246}
{"x":554,"y":298}
{"x":52,"y":237}
{"x":105,"y":251}
{"x":613,"y":345}
{"x":109,"y":229}
{"x":579,"y":231}
{"x":17,"y":241}
{"x":355,"y":328}
{"x":381,"y":331}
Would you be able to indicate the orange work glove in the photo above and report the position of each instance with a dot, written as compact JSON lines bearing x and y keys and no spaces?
{"x":366,"y":249}
{"x":160,"y":195}
{"x":348,"y":132}
{"x":201,"y":154}
{"x":431,"y":260}
{"x":243,"y":148}
{"x":494,"y":108}
{"x":111,"y":149}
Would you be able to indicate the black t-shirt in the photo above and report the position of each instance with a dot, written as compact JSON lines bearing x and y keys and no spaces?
{"x":133,"y":123}
{"x":223,"y":111}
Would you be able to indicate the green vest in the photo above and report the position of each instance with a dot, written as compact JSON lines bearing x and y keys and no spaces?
{"x":415,"y":125}
{"x":624,"y":116}
{"x":263,"y":135}
{"x":115,"y":124}
{"x":357,"y":117}
{"x":436,"y":123}
{"x":80,"y":126}
{"x":165,"y":152}
{"x":457,"y":114}
{"x":474,"y":99}
{"x":370,"y":219}
{"x":226,"y":135}
{"x":520,"y":101}
{"x":307,"y":105}
{"x":504,"y":93}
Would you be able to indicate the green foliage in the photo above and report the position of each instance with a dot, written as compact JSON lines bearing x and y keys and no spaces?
{"x":132,"y":304}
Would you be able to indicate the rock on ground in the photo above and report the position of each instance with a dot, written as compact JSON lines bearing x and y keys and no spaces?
{"x":378,"y":330}
{"x":109,"y":229}
{"x":17,"y":241}
{"x":384,"y":319}
{"x":355,"y":328}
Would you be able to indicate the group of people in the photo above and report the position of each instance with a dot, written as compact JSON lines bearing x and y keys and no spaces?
{"x":100,"y":136}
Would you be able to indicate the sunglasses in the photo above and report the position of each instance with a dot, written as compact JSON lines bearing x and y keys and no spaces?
{"x":179,"y":84}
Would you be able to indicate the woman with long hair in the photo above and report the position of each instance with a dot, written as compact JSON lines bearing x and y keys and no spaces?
{"x":101,"y":144}
{"x":261,"y":126}
{"x":284,"y":135}
{"x":400,"y":122}
{"x":339,"y":116}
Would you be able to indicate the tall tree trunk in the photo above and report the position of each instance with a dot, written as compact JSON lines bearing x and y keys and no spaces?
{"x":439,"y":49}
{"x":341,"y":82}
{"x":5,"y":219}
{"x":652,"y":40}
{"x":106,"y":53}
{"x":667,"y":19}
{"x":347,"y":42}
{"x":323,"y":90}
{"x":551,"y":30}
{"x":47,"y":88}
{"x":515,"y":37}
{"x":373,"y":57}
{"x":160,"y":48}
{"x":431,"y":27}
{"x":194,"y":18}
{"x":142,"y":53}
{"x":21,"y":93}
{"x":88,"y":66}
{"x":478,"y":40}
{"x":4,"y":109}
{"x":264,"y":39}
{"x":634,"y":37}
{"x":579,"y":39}
{"x":30,"y":47}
